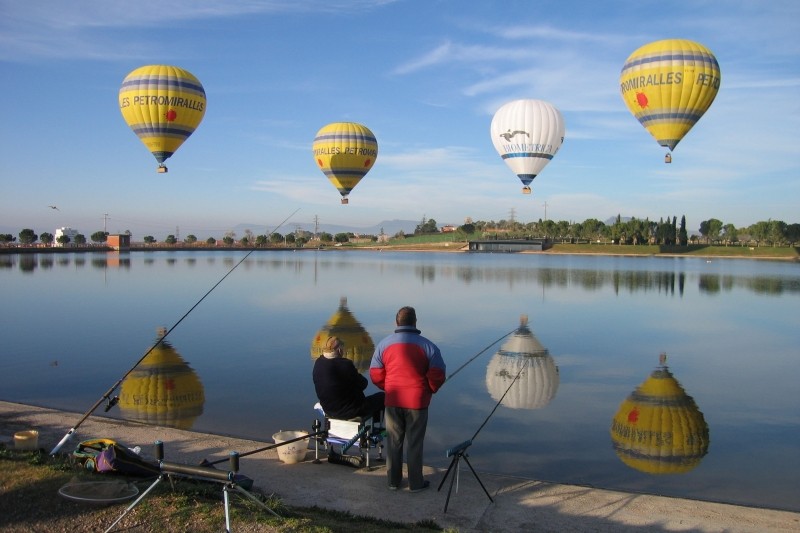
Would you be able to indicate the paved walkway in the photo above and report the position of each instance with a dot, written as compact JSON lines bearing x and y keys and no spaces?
{"x":519,"y":504}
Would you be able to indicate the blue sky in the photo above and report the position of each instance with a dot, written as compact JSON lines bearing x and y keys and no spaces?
{"x":425,"y":77}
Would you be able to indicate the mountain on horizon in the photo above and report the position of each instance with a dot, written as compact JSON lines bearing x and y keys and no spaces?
{"x":389,"y":227}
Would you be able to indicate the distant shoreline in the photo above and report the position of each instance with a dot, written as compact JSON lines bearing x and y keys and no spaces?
{"x":699,"y":251}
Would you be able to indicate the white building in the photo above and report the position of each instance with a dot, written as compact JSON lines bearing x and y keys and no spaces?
{"x":69,"y":232}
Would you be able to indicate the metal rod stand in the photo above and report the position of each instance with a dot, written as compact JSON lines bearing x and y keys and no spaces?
{"x":202,"y":473}
{"x":457,"y":456}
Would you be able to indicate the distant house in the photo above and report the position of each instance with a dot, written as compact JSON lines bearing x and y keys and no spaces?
{"x":120,"y":242}
{"x":65,"y":232}
{"x":448,"y":229}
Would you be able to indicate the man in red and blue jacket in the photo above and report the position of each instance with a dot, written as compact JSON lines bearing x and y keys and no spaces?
{"x":410,"y":369}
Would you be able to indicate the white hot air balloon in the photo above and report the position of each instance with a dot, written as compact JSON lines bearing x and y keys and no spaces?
{"x":522,"y":357}
{"x":527,"y":134}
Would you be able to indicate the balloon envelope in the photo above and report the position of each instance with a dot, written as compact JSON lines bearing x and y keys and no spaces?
{"x":163,"y":389}
{"x":659,"y":429}
{"x":345,"y":152}
{"x":163,"y":105}
{"x":668,"y":85}
{"x":522,"y":355}
{"x":527,"y":134}
{"x":358,"y":345}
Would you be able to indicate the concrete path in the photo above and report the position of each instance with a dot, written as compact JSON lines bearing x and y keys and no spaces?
{"x":519,"y":504}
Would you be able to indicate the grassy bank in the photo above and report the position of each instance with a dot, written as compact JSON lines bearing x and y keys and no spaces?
{"x":450,"y":242}
{"x":699,"y":250}
{"x":29,"y":501}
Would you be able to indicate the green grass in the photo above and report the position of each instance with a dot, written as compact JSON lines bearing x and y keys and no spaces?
{"x":29,"y":501}
{"x":456,"y":241}
{"x":701,"y":250}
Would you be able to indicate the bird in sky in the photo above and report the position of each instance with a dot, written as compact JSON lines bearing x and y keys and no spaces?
{"x":53,"y":207}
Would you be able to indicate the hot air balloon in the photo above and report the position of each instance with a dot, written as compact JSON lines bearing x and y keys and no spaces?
{"x":527,"y":134}
{"x":163,"y":105}
{"x":537,"y":384}
{"x":659,"y":429}
{"x":358,"y":345}
{"x":163,"y":389}
{"x":668,"y":85}
{"x":345,"y":152}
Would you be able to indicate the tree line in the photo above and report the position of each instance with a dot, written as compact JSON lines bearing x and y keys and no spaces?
{"x":632,"y":231}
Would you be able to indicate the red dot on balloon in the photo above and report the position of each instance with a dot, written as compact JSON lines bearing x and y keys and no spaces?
{"x":319,"y":162}
{"x":641,"y":99}
{"x":367,"y":162}
{"x":171,"y":115}
{"x":633,"y":416}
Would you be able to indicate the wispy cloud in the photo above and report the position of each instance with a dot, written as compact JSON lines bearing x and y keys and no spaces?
{"x":77,"y":29}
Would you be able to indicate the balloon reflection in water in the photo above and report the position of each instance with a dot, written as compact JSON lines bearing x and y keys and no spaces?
{"x":358,"y":345}
{"x":537,"y":384}
{"x":659,"y":429}
{"x":163,"y":389}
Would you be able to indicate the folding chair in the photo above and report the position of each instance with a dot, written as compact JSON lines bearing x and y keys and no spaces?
{"x":362,"y":433}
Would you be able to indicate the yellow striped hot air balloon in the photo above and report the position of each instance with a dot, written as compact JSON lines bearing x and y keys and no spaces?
{"x":668,"y":85}
{"x":537,"y":384}
{"x":163,"y":105}
{"x":358,"y":345}
{"x":345,"y":152}
{"x":163,"y":390}
{"x":659,"y":429}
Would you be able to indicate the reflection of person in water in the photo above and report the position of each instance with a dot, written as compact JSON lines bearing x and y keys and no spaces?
{"x":340,"y":388}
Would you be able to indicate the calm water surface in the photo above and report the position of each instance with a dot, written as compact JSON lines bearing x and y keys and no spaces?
{"x":240,"y":362}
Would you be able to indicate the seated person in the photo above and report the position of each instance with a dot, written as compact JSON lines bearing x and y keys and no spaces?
{"x":340,"y":387}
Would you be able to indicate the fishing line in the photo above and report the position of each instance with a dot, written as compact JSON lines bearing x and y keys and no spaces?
{"x":459,"y":451}
{"x":527,"y":360}
{"x":273,"y":446}
{"x":107,"y":395}
{"x":478,"y":354}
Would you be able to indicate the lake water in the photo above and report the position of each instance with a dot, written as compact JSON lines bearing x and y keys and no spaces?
{"x":720,"y":422}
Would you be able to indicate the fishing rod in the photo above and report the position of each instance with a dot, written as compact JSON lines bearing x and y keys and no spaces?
{"x":322,"y":433}
{"x":459,"y":451}
{"x":459,"y":369}
{"x":113,"y":401}
{"x":205,"y":462}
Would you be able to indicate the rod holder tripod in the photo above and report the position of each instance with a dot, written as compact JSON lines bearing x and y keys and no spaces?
{"x":202,"y":473}
{"x":458,"y":452}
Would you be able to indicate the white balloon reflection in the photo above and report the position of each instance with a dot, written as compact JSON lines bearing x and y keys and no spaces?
{"x":536,"y":385}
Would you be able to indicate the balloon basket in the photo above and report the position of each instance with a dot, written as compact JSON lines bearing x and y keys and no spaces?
{"x":526,"y":190}
{"x":162,"y":170}
{"x":345,"y":201}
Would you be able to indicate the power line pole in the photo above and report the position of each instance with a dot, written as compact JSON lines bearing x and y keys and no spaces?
{"x":105,"y":222}
{"x":545,"y":210}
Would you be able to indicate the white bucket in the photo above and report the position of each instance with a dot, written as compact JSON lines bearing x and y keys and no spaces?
{"x":293,"y":452}
{"x":26,"y":440}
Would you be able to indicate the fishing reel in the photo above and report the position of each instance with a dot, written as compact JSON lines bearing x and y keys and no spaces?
{"x":111,"y":403}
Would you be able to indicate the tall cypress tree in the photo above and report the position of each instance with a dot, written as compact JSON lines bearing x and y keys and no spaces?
{"x":683,"y":238}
